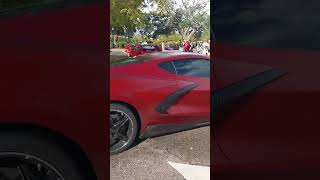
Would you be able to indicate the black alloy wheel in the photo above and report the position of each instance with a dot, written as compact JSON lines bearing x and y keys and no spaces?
{"x":31,"y":156}
{"x":123,"y":128}
{"x":19,"y":166}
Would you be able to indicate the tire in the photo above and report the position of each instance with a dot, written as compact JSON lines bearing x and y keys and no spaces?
{"x":132,"y":127}
{"x":29,"y":149}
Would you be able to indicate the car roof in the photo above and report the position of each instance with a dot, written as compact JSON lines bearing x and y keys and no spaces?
{"x":166,"y":54}
{"x":155,"y":56}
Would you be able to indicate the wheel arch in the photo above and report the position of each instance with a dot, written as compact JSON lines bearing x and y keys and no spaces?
{"x":134,"y":110}
{"x":66,"y":144}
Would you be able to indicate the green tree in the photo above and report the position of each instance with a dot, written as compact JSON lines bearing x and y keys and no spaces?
{"x":156,"y":24}
{"x":205,"y":35}
{"x":125,"y":17}
{"x":193,"y":18}
{"x":188,"y":19}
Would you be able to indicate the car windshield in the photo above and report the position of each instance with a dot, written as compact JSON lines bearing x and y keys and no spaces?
{"x":125,"y":61}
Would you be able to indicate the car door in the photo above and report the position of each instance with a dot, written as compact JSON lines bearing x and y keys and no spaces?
{"x":193,"y":78}
{"x":168,"y":74}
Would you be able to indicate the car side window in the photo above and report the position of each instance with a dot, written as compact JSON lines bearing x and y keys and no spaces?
{"x":193,"y":67}
{"x":167,"y":66}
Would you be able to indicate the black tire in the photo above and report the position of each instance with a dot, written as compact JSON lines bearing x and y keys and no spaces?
{"x":132,"y":125}
{"x":16,"y":147}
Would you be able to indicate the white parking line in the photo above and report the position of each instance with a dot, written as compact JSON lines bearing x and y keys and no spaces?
{"x":192,"y":172}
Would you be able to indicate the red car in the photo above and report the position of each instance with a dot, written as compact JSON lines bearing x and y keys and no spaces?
{"x":156,"y":94}
{"x":53,"y":91}
{"x":136,"y":50}
{"x":266,"y":91}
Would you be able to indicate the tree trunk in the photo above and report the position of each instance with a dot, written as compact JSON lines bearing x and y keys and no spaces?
{"x":190,"y":35}
{"x":115,"y":40}
{"x":186,"y":34}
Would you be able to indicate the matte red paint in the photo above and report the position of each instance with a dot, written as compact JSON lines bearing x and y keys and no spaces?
{"x":53,"y":75}
{"x":144,"y":85}
{"x":274,"y":131}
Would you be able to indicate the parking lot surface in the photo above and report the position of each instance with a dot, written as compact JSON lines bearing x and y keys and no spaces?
{"x":149,"y":159}
{"x":116,"y":54}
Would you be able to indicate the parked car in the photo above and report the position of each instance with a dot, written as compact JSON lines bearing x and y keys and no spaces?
{"x":53,"y":91}
{"x":156,"y":94}
{"x":148,"y":48}
{"x":138,"y":49}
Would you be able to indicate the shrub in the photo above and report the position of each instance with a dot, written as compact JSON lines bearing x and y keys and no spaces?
{"x":121,"y":44}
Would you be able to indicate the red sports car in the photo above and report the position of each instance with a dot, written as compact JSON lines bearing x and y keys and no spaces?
{"x":156,"y":94}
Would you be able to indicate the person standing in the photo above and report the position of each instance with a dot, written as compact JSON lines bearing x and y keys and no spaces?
{"x":162,"y":46}
{"x":205,"y":48}
{"x":186,"y":46}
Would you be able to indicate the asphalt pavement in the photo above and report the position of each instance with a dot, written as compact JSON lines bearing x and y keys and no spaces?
{"x":116,"y":54}
{"x":149,"y":159}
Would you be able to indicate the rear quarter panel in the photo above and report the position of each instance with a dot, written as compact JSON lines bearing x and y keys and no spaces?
{"x":143,"y":86}
{"x":275,"y":130}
